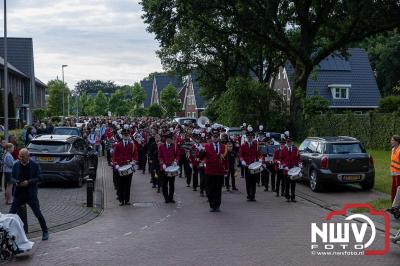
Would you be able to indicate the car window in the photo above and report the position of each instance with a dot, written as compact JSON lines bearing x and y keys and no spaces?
{"x":304,"y":145}
{"x":79,"y":146}
{"x":320,"y":148}
{"x":312,"y":147}
{"x":66,"y":131}
{"x":49,"y":146}
{"x":346,"y":148}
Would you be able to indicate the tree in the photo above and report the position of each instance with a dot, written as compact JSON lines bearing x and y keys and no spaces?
{"x":249,"y":101}
{"x":138,"y":95}
{"x":54,"y":101}
{"x":170,"y":101}
{"x":315,"y":105}
{"x":39,"y":114}
{"x":1,"y":104}
{"x":384,"y":55}
{"x":389,"y":104}
{"x":138,"y":112}
{"x":101,"y":104}
{"x":93,"y":86}
{"x":155,"y":110}
{"x":304,"y":31}
{"x":118,"y":104}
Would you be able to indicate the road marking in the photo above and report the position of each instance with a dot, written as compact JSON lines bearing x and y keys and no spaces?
{"x":144,"y":227}
{"x":127,"y":234}
{"x":43,"y":254}
{"x":99,"y":242}
{"x":168,"y":216}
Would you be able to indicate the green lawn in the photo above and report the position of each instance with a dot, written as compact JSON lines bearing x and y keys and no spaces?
{"x":383,"y":180}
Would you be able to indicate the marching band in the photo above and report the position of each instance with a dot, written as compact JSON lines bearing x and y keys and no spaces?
{"x":206,"y":155}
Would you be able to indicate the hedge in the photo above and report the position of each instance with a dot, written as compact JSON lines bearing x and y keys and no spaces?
{"x":373,"y":129}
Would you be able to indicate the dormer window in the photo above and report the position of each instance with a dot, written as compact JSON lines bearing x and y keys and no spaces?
{"x":340,"y":91}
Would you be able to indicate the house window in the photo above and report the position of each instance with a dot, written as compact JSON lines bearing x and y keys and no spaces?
{"x":284,"y":92}
{"x":190,"y":100}
{"x":340,"y":91}
{"x":179,"y":101}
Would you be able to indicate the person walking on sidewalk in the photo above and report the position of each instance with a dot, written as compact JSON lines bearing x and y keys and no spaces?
{"x":26,"y":176}
{"x":7,"y":169}
{"x":395,"y":164}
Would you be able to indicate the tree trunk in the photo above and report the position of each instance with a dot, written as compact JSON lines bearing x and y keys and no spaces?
{"x":298,"y":93}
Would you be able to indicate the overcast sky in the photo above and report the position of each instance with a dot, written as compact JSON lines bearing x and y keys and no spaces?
{"x":97,"y":39}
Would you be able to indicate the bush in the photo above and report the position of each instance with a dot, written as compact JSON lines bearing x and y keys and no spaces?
{"x":39,"y":114}
{"x":138,"y":112}
{"x":155,"y":110}
{"x":389,"y":104}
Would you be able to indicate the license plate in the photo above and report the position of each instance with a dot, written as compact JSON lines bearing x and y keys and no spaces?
{"x":46,"y":159}
{"x":351,"y":177}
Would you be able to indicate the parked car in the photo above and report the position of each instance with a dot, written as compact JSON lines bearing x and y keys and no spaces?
{"x":68,"y":131}
{"x":185,"y":120}
{"x":233,"y":131}
{"x":64,"y":158}
{"x":336,"y":160}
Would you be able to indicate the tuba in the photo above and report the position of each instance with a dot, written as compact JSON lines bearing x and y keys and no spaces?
{"x":202,"y":121}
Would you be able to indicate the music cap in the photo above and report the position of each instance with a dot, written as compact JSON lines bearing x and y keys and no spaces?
{"x":124,"y":131}
{"x":215,"y":131}
{"x":286,"y":133}
{"x":250,"y":131}
{"x":168,"y":135}
{"x":261,"y":127}
{"x":268,"y":135}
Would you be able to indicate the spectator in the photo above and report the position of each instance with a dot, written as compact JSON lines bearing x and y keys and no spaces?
{"x":2,"y":153}
{"x":26,"y":175}
{"x":29,"y":136}
{"x":12,"y":139}
{"x":8,"y":166}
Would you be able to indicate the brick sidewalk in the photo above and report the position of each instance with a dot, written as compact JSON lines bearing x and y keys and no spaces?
{"x":63,"y":208}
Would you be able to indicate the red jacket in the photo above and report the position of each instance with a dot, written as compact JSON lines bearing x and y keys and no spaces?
{"x":166,"y":155}
{"x":123,"y":155}
{"x":215,"y":164}
{"x":249,"y":154}
{"x":277,"y":157}
{"x":109,"y":133}
{"x":194,"y":158}
{"x":291,"y":158}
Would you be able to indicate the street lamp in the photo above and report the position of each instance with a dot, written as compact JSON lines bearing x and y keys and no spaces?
{"x":62,"y":68}
{"x":5,"y":74}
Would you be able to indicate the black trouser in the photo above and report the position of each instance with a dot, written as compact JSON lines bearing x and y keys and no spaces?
{"x":115,"y":179}
{"x":195,"y":177}
{"x":242,"y":171}
{"x":109,"y":156}
{"x":103,"y":147}
{"x":290,"y":188}
{"x":142,"y":159}
{"x":251,"y":180}
{"x":124,"y":188}
{"x":268,"y":174}
{"x":230,"y":175}
{"x":153,"y":169}
{"x":181,"y":163}
{"x":33,"y":202}
{"x":203,"y":178}
{"x":280,"y":181}
{"x":168,"y":186}
{"x":214,"y":187}
{"x":188,"y":173}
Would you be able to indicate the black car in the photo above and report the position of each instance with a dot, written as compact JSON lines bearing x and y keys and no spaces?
{"x":64,"y":158}
{"x":336,"y":160}
{"x":68,"y":131}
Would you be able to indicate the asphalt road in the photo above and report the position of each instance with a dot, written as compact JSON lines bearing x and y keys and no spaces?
{"x":267,"y":232}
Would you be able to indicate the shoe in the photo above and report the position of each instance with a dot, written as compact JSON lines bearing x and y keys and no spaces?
{"x":253,"y":200}
{"x":172,"y":201}
{"x":187,"y":185}
{"x":265,"y":189}
{"x":127,"y":203}
{"x":121,"y":204}
{"x":293,"y":200}
{"x":212,"y":210}
{"x":273,"y":190}
{"x":395,"y":239}
{"x":287,"y":200}
{"x":154,"y":186}
{"x":201,"y":194}
{"x":282,"y":194}
{"x":167,"y":201}
{"x":228,"y":190}
{"x":277,"y":195}
{"x":217,"y":210}
{"x":195,"y":189}
{"x":158,"y":191}
{"x":45,"y":235}
{"x":234,"y":189}
{"x":248,"y":197}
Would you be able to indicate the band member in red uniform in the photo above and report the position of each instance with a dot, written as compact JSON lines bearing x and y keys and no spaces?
{"x":290,"y":159}
{"x":280,"y":173}
{"x":248,"y":155}
{"x":194,"y":158}
{"x":214,"y":156}
{"x":125,"y":153}
{"x":167,"y":156}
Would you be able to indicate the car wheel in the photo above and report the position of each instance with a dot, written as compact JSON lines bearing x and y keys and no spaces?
{"x":367,"y":184}
{"x":79,"y":180}
{"x":315,"y":182}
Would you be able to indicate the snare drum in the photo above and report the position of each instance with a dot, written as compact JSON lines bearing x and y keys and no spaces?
{"x":125,"y":170}
{"x":172,"y":170}
{"x":256,"y":168}
{"x":295,"y":173}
